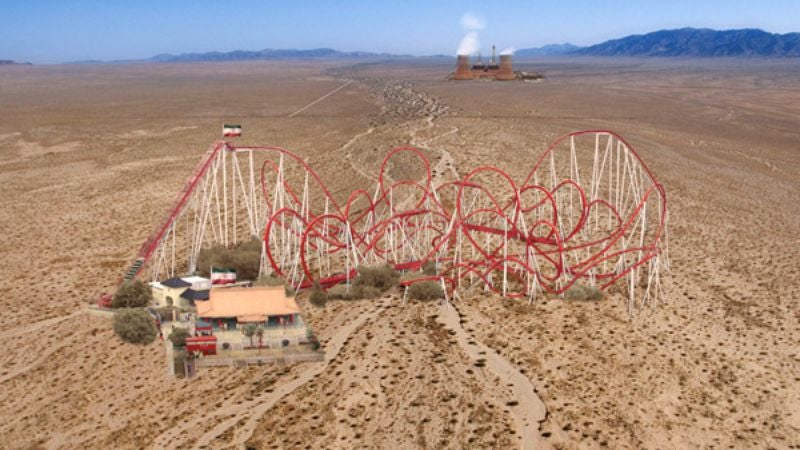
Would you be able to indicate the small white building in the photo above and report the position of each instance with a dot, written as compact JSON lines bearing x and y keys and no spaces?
{"x":180,"y":291}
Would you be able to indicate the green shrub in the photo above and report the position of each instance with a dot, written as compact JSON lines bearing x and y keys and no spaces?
{"x":132,"y":294}
{"x":178,"y":337}
{"x":381,"y":277}
{"x":318,"y":297}
{"x":425,"y":290}
{"x":135,"y":326}
{"x":244,"y":257}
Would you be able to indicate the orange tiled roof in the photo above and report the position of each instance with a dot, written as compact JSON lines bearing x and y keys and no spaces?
{"x":247,"y":304}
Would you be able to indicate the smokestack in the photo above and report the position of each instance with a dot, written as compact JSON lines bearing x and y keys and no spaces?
{"x":506,"y":72}
{"x":493,"y":57}
{"x":462,"y":68}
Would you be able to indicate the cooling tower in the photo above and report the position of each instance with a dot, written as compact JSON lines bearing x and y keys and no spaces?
{"x":506,"y":72}
{"x":462,"y":68}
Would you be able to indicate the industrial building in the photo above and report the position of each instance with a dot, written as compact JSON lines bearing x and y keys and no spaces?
{"x":492,"y":71}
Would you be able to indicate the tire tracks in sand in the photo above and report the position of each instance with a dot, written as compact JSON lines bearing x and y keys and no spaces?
{"x":530,"y":411}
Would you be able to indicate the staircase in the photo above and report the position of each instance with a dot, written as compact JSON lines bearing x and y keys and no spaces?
{"x":133,"y":270}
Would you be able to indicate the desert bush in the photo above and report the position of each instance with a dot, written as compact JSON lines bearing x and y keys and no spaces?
{"x":135,"y":326}
{"x":244,"y":257}
{"x":593,"y":293}
{"x":429,"y":268}
{"x":381,"y":277}
{"x":132,"y":294}
{"x":272,"y":280}
{"x":268,"y":280}
{"x":178,"y":337}
{"x":367,"y":292}
{"x":580,"y":292}
{"x":318,"y":297}
{"x":425,"y":290}
{"x":412,"y":276}
{"x":575,"y":292}
{"x":340,"y":292}
{"x":356,"y":292}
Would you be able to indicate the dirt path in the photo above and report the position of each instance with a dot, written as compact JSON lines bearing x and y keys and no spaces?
{"x":253,"y":410}
{"x":42,"y":358}
{"x":347,"y":83}
{"x":348,"y":155}
{"x":446,"y":162}
{"x":31,"y":327}
{"x":530,"y":410}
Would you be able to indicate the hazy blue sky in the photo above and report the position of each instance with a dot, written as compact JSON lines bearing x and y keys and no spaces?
{"x":57,"y":31}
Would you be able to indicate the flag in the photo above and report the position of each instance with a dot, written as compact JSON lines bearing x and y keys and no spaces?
{"x":231,"y":130}
{"x":222,"y":276}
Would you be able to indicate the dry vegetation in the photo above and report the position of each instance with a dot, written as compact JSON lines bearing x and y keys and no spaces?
{"x":90,"y":156}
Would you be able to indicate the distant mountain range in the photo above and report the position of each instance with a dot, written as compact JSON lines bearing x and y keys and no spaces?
{"x":693,"y":42}
{"x":685,"y":42}
{"x":8,"y":62}
{"x":269,"y":53}
{"x":547,"y":50}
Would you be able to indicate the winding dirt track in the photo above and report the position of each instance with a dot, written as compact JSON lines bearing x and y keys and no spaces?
{"x":530,"y":410}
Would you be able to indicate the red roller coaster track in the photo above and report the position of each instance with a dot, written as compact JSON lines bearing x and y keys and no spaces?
{"x":551,"y":230}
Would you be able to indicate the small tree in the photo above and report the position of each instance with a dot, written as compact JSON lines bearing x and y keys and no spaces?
{"x":249,"y":330}
{"x":178,"y":337}
{"x":318,"y":297}
{"x":135,"y":326}
{"x":260,"y":334}
{"x":244,"y":257}
{"x":132,"y":294}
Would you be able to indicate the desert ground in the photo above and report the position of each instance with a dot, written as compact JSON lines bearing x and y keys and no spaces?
{"x":91,"y":155}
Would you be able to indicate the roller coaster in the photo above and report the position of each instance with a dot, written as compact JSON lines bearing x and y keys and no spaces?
{"x":588,"y":212}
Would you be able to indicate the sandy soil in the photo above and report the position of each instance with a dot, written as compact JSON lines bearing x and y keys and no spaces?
{"x":91,"y":155}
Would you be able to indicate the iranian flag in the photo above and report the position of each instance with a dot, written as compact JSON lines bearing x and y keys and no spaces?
{"x":222,"y":276}
{"x":231,"y":130}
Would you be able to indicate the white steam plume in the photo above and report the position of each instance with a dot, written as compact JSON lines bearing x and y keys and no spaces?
{"x":508,"y":51}
{"x":470,"y":43}
{"x":471,"y":22}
